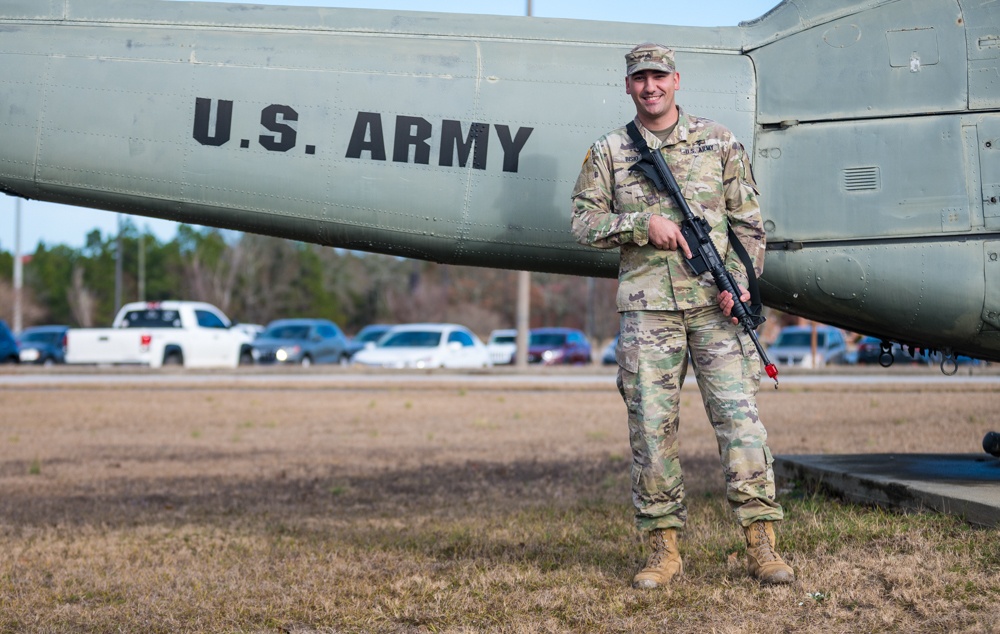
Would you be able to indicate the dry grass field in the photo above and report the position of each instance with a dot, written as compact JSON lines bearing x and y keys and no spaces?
{"x":393,"y":506}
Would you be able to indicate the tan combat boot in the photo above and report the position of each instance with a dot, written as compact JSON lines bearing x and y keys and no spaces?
{"x":664,"y":562}
{"x":763,"y":561}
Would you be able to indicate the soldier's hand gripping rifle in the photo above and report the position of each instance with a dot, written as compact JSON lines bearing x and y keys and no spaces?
{"x":704,"y":256}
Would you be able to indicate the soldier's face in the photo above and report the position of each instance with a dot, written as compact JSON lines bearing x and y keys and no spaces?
{"x":653,"y":94}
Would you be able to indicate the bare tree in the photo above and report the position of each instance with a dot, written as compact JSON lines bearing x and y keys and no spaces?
{"x":31,"y":311}
{"x":264,"y":278}
{"x":425,"y":300}
{"x":212,"y":278}
{"x":82,"y":301}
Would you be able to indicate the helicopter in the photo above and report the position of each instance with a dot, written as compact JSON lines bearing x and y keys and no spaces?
{"x":873,"y":127}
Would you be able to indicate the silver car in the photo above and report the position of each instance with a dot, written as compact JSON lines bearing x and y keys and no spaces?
{"x":793,"y":347}
{"x":301,"y":342}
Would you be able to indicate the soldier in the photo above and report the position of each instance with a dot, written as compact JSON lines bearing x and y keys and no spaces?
{"x":667,"y":312}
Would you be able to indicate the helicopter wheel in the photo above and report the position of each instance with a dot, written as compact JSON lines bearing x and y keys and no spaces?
{"x":991,"y":444}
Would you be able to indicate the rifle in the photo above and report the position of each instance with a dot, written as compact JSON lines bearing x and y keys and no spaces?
{"x":704,"y":255}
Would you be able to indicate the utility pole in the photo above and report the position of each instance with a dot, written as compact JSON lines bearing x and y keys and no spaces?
{"x":118,"y":266}
{"x":591,"y":309}
{"x":523,"y":309}
{"x":18,"y":269}
{"x":142,"y":266}
{"x":523,"y":318}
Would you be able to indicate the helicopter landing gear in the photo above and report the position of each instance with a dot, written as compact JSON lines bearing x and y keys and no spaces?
{"x":991,"y":444}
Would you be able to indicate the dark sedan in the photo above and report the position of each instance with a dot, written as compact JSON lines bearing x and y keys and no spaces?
{"x":44,"y":345}
{"x":555,"y":346}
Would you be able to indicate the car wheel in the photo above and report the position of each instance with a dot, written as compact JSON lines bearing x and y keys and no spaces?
{"x":49,"y":362}
{"x":306,"y":361}
{"x":345,"y":360}
{"x":173,"y":358}
{"x":246,"y":358}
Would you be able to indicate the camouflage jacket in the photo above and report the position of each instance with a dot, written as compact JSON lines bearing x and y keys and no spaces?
{"x":612,"y":207}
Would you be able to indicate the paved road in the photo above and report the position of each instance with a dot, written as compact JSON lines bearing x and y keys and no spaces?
{"x":102,"y":376}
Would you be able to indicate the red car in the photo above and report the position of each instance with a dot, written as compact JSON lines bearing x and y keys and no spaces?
{"x":554,"y":346}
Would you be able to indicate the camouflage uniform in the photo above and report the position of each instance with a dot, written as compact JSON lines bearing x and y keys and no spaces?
{"x":667,"y":312}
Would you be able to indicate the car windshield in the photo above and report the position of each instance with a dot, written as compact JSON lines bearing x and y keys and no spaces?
{"x":413,"y":339}
{"x":547,"y":339}
{"x":287,"y":332}
{"x":802,"y":339}
{"x":152,"y":318}
{"x":504,"y":339}
{"x":41,"y":337}
{"x":370,"y":335}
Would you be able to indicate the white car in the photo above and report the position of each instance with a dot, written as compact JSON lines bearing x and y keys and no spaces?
{"x":502,"y":346}
{"x":426,"y":346}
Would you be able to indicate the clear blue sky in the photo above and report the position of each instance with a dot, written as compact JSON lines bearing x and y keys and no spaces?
{"x":60,"y":224}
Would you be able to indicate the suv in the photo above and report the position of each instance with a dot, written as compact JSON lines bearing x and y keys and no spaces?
{"x":502,"y":345}
{"x":793,"y":347}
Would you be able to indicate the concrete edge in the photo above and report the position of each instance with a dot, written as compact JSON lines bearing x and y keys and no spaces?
{"x":973,"y":504}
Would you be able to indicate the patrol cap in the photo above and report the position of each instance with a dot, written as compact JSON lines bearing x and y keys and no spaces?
{"x":649,"y":56}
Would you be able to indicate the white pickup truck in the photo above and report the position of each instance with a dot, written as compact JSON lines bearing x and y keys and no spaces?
{"x":192,"y":334}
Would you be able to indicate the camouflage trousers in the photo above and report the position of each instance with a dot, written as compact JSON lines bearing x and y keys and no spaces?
{"x":652,"y":356}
